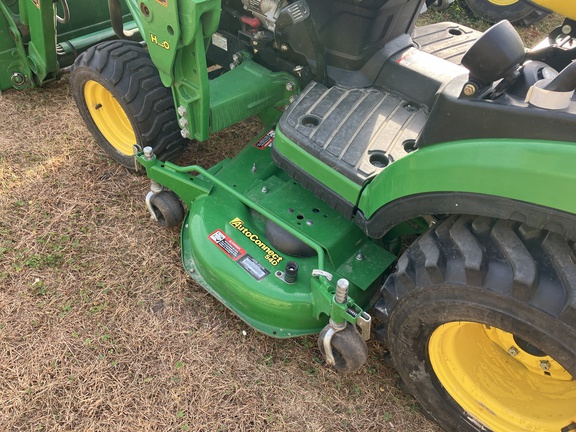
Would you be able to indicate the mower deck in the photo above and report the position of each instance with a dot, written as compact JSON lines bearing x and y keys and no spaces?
{"x":241,"y":257}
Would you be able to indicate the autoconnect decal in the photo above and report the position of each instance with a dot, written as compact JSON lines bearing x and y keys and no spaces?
{"x":271,"y":256}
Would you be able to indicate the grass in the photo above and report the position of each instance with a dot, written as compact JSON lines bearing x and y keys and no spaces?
{"x":100,"y":329}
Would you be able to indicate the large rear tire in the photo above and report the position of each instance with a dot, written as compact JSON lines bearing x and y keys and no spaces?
{"x":515,"y":11}
{"x":482,"y":325}
{"x":122,"y":100}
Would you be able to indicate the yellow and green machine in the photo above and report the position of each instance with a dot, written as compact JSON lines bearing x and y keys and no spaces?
{"x":409,"y":184}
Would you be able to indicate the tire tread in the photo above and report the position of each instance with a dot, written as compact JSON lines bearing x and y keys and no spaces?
{"x":126,"y":67}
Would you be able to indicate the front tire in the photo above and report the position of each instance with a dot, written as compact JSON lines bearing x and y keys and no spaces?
{"x":122,"y":100}
{"x":482,"y":325}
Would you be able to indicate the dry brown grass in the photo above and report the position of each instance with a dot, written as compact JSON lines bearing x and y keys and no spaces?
{"x":100,"y":329}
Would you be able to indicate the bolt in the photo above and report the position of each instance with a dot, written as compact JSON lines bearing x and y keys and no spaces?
{"x":264,"y":189}
{"x":284,"y":48}
{"x":513,"y":351}
{"x":341,"y":295}
{"x":566,"y":29}
{"x":309,"y":222}
{"x":469,"y":89}
{"x":298,"y":70}
{"x":545,"y":365}
{"x":183,"y":122}
{"x":290,"y":86}
{"x":260,"y":35}
{"x":185,"y":133}
{"x":237,"y":57}
{"x":182,"y":111}
{"x":359,"y":256}
{"x":148,"y":153}
{"x":292,"y":99}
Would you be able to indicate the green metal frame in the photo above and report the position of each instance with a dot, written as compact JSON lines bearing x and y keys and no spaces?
{"x":179,"y":53}
{"x":29,"y":34}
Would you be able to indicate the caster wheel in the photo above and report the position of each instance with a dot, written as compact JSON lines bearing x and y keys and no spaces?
{"x":167,"y":208}
{"x":348,"y":348}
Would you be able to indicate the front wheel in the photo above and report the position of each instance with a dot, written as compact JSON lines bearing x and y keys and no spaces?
{"x":482,"y":326}
{"x":121,"y":98}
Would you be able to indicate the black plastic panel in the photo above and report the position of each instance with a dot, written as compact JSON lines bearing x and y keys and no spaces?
{"x":446,"y":40}
{"x":357,"y":132}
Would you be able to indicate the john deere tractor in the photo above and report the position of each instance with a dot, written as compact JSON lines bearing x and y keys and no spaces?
{"x":409,"y":184}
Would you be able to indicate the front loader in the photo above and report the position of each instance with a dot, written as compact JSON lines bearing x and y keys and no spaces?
{"x":409,"y":184}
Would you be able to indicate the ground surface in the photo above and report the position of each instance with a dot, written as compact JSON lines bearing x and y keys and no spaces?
{"x":100,"y":329}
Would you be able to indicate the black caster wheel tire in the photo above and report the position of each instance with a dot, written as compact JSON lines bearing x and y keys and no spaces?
{"x":482,"y":325}
{"x":167,"y":208}
{"x":122,"y":100}
{"x":348,"y":348}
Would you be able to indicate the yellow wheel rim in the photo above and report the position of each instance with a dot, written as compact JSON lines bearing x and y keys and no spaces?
{"x":501,"y":381}
{"x":109,"y":117}
{"x":503,"y":2}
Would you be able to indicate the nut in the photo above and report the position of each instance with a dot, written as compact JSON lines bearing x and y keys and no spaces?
{"x":545,"y":365}
{"x":469,"y":89}
{"x":513,"y":351}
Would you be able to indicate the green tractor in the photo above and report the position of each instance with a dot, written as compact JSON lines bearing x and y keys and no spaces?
{"x":408,"y":184}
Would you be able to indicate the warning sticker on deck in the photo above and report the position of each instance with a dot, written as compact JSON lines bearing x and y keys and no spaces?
{"x":253,"y":267}
{"x":227,"y":245}
{"x":266,"y":140}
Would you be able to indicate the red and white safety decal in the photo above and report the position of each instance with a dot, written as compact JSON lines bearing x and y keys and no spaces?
{"x":227,"y":245}
{"x":266,"y":140}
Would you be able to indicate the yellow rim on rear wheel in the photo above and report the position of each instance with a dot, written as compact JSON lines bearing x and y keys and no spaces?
{"x":501,"y":381}
{"x":503,"y":2}
{"x":109,"y":117}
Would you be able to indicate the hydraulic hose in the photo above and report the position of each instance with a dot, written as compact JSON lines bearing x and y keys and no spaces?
{"x":116,"y":18}
{"x":116,"y":21}
{"x":565,"y":81}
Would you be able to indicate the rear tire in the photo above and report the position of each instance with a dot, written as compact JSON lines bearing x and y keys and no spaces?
{"x":482,"y":325}
{"x":122,"y":100}
{"x":494,"y":11}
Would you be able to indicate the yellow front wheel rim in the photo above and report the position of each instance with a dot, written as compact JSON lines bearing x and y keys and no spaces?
{"x":502,"y":385}
{"x":109,"y":117}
